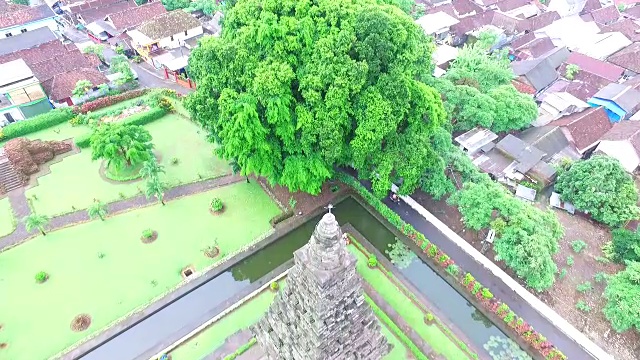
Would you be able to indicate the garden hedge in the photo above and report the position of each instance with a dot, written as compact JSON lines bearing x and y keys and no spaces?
{"x":108,"y":101}
{"x":36,"y":123}
{"x":137,"y":119}
{"x":241,"y":350}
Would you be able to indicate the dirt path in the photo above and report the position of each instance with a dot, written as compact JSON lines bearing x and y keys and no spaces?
{"x":21,"y":207}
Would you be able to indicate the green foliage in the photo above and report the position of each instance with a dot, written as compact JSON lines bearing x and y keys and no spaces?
{"x":96,"y":49}
{"x":582,"y":306}
{"x":621,"y":7}
{"x":294,"y":88}
{"x":600,"y":277}
{"x":155,"y":188}
{"x":373,"y":261}
{"x":121,"y":145}
{"x":501,"y":348}
{"x":36,"y":123}
{"x":601,"y":187}
{"x":292,"y":203}
{"x":513,"y":110}
{"x":526,"y":237}
{"x":141,"y":2}
{"x":151,"y":169}
{"x":146,"y":117}
{"x":82,"y":88}
{"x":120,"y":64}
{"x":274,"y":285}
{"x":97,"y":210}
{"x":119,"y":49}
{"x":622,"y":294}
{"x":400,"y":254}
{"x":570,"y":260}
{"x":36,"y":221}
{"x":625,"y":245}
{"x":570,"y":71}
{"x":171,"y":5}
{"x":584,"y":287}
{"x":41,"y":277}
{"x":147,"y":233}
{"x":563,"y":273}
{"x":578,"y":245}
{"x":208,"y":7}
{"x":474,"y":62}
{"x":216,"y":204}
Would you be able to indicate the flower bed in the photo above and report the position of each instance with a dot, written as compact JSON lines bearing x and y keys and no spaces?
{"x":481,"y":293}
{"x":108,"y":101}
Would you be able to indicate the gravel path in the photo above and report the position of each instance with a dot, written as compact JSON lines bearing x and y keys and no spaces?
{"x":21,"y":207}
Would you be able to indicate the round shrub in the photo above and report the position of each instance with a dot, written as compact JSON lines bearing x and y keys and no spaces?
{"x":372,"y":262}
{"x":216,"y":204}
{"x":274,"y":286}
{"x":147,"y":234}
{"x":41,"y":277}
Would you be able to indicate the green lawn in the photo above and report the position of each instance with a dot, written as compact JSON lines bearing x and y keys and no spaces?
{"x":75,"y":181}
{"x":128,"y":275}
{"x":407,"y":310}
{"x":7,"y":220}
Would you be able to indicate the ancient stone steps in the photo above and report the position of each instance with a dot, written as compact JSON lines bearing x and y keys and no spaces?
{"x":9,"y":179}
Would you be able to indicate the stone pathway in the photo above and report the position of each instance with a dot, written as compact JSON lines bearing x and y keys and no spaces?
{"x":21,"y":207}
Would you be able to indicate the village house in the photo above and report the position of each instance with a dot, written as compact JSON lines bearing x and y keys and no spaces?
{"x":162,"y":40}
{"x":622,"y":142}
{"x":437,"y":25}
{"x":566,"y":7}
{"x":114,"y":25}
{"x":21,"y":95}
{"x":26,"y":40}
{"x":619,"y":100}
{"x":17,"y":19}
{"x":540,"y":72}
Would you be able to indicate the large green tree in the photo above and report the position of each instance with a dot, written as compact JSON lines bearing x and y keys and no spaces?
{"x":513,"y":110}
{"x":121,"y":145}
{"x":294,"y":88}
{"x":601,"y":187}
{"x":622,"y":294}
{"x":526,"y":237}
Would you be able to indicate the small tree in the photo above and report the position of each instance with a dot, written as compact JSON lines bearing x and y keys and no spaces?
{"x":121,"y":145}
{"x":626,"y":245}
{"x":601,"y":187}
{"x":151,"y":169}
{"x":35,"y":221}
{"x":82,"y":88}
{"x":156,"y":188}
{"x":570,"y":71}
{"x":97,"y":210}
{"x":120,"y":64}
{"x":622,"y":294}
{"x":96,"y":49}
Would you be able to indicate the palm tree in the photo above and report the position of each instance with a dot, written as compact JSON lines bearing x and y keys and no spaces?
{"x":151,"y":168}
{"x":156,"y":188}
{"x":97,"y":209}
{"x":35,"y":221}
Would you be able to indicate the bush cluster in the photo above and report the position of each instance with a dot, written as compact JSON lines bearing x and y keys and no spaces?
{"x":281,"y":217}
{"x":36,"y":123}
{"x":137,"y":119}
{"x":41,"y":277}
{"x":216,"y":204}
{"x":147,"y":234}
{"x":108,"y":101}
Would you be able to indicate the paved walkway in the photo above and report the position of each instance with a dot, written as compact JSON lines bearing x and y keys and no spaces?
{"x":21,"y":207}
{"x":563,"y":335}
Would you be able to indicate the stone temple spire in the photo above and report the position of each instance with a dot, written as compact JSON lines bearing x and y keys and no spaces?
{"x":321,"y":313}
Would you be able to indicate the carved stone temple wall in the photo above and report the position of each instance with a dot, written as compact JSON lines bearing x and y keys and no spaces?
{"x":321,"y":313}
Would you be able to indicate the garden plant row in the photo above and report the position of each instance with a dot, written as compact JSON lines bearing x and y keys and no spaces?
{"x":475,"y":288}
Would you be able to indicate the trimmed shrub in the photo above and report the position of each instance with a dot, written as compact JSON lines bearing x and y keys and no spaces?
{"x":216,"y":204}
{"x":145,"y":117}
{"x":83,"y":141}
{"x":578,"y":245}
{"x":41,"y":277}
{"x":281,"y":217}
{"x":36,"y":123}
{"x":147,"y":234}
{"x":108,"y":101}
{"x":372,"y":262}
{"x":274,"y":286}
{"x":241,"y":350}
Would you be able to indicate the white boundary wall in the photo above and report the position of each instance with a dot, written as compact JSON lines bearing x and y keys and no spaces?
{"x":542,"y":308}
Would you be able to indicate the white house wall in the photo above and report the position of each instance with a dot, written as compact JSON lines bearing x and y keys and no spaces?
{"x":178,"y":39}
{"x":15,"y":113}
{"x":17,"y":30}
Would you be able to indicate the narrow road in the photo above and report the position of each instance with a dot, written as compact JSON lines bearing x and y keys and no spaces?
{"x":483,"y":275}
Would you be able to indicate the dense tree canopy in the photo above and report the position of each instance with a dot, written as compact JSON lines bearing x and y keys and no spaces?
{"x":626,"y":245}
{"x":294,"y":88}
{"x":622,"y":294}
{"x":121,"y":145}
{"x":526,"y":237}
{"x":601,"y":187}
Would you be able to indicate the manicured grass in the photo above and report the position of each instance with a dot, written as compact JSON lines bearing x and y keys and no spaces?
{"x":407,"y":310}
{"x":7,"y":220}
{"x":103,"y":269}
{"x":59,"y":132}
{"x":75,"y":181}
{"x":214,"y":336}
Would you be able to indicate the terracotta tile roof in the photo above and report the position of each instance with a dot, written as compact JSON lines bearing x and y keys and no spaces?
{"x":473,"y":22}
{"x":126,"y":19}
{"x":534,"y":49}
{"x":98,"y":10}
{"x":447,"y":9}
{"x":36,"y":54}
{"x":603,"y":69}
{"x":62,"y":84}
{"x":465,"y":7}
{"x":581,"y":90}
{"x":522,"y":40}
{"x":606,"y":15}
{"x":15,"y":15}
{"x":538,"y":22}
{"x":625,"y":130}
{"x":508,"y":5}
{"x":626,"y":26}
{"x":591,"y":5}
{"x":505,"y":22}
{"x":628,"y":58}
{"x":523,"y":87}
{"x":632,"y":12}
{"x":584,"y":128}
{"x":168,"y":24}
